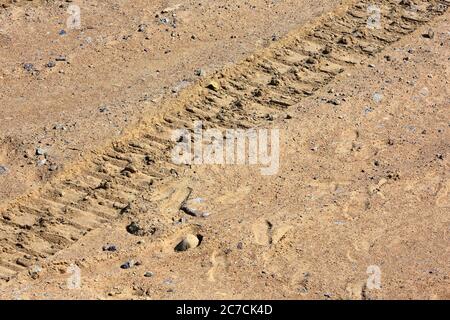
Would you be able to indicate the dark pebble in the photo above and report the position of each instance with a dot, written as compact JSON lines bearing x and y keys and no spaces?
{"x":135,"y":229}
{"x":3,"y":170}
{"x":110,"y":247}
{"x":127,"y":265}
{"x":28,"y":66}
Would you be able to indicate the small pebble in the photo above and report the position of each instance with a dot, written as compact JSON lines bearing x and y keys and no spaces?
{"x":200,"y":72}
{"x":128,"y":264}
{"x":28,"y":67}
{"x":367,"y":109}
{"x":429,"y":34}
{"x":148,"y":274}
{"x":377,"y":97}
{"x":335,"y":102}
{"x":135,"y":229}
{"x":60,"y":58}
{"x":40,"y":152}
{"x":3,"y":170}
{"x":213,"y":85}
{"x":110,"y":247}
{"x":35,"y":271}
{"x":142,"y":27}
{"x":424,"y":92}
{"x":311,"y":60}
{"x":59,"y":127}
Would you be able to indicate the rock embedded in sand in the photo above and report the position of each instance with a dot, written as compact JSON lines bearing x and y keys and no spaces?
{"x":214,"y":86}
{"x":190,"y":241}
{"x":135,"y":229}
{"x":129,"y":264}
{"x":429,"y":34}
{"x":40,"y":152}
{"x":200,"y":72}
{"x":35,"y":271}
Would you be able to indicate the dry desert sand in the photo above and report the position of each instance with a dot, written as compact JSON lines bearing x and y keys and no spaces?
{"x":92,"y":205}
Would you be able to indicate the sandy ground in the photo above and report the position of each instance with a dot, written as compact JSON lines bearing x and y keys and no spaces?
{"x":112,"y":73}
{"x":361,"y":196}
